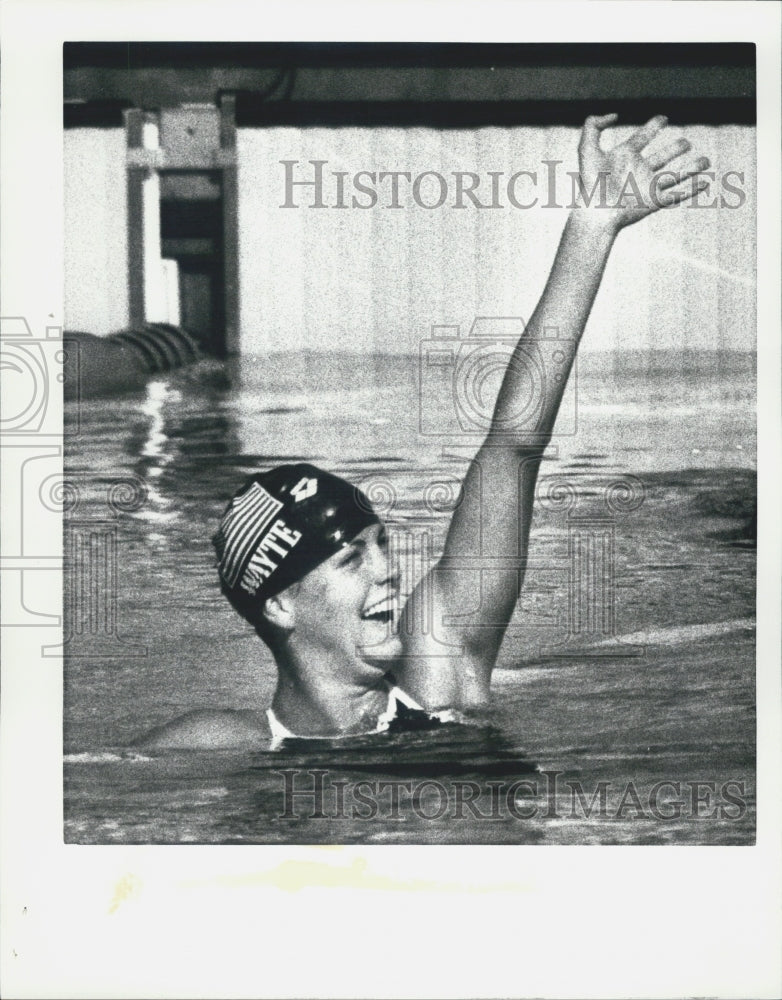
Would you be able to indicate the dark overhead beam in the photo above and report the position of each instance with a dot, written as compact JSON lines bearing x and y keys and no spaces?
{"x":252,"y":112}
{"x":474,"y":114}
{"x":139,"y":55}
{"x":94,"y":114}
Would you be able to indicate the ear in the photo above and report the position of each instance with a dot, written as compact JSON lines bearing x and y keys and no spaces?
{"x":279,"y":611}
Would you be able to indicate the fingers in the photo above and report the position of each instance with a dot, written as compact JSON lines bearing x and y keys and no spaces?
{"x":669,"y":178}
{"x":673,"y":196}
{"x":665,"y":154}
{"x":593,"y":126}
{"x":644,"y":135}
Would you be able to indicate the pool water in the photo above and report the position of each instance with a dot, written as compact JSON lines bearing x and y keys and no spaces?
{"x":624,"y":697}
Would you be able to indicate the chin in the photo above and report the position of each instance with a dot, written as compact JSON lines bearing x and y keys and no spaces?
{"x":380,"y":651}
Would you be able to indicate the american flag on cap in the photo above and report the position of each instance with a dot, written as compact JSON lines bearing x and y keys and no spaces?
{"x":243,"y":528}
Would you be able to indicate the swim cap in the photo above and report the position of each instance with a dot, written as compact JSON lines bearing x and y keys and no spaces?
{"x":283,"y":523}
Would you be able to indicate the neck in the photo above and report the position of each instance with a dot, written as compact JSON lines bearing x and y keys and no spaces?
{"x":317,"y":696}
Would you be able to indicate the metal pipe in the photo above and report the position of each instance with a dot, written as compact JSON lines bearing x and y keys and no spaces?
{"x":123,"y":361}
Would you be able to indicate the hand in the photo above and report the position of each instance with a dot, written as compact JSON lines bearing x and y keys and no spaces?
{"x":628,"y":182}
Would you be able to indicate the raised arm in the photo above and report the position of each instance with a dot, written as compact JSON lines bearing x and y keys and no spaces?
{"x":455,"y":620}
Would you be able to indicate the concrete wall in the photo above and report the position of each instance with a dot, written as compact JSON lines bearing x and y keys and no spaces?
{"x":96,"y":255}
{"x":378,"y":278}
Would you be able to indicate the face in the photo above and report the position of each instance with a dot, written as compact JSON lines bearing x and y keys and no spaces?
{"x":348,"y":602}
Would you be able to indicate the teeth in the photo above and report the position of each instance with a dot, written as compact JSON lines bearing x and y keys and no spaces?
{"x":379,"y":607}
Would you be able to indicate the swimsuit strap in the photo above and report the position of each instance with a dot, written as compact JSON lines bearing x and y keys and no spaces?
{"x":395,"y":695}
{"x":279,"y":732}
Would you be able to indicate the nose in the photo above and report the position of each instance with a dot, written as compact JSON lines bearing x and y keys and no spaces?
{"x":385,"y":572}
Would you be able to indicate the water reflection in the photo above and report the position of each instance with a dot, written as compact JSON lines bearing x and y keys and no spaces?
{"x":156,"y":452}
{"x":192,"y":438}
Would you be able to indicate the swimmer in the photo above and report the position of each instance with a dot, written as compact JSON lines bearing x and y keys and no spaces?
{"x":304,"y":559}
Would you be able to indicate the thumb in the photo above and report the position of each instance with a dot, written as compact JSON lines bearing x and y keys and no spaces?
{"x":593,"y":126}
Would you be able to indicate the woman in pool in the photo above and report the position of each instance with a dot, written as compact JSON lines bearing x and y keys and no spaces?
{"x":303,"y":557}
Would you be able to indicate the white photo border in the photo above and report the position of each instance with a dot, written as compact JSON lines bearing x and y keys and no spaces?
{"x":130,"y":921}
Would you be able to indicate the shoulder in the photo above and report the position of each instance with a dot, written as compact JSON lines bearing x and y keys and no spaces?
{"x":212,"y":729}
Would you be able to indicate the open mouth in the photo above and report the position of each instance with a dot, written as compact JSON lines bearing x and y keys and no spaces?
{"x":381,"y":611}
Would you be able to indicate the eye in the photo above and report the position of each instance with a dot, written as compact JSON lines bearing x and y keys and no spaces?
{"x":382,"y":539}
{"x":352,"y":558}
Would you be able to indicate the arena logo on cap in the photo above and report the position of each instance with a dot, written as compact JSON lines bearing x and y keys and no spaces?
{"x":305,"y":487}
{"x":279,"y":539}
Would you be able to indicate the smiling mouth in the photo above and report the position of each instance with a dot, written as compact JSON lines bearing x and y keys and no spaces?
{"x":381,"y":611}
